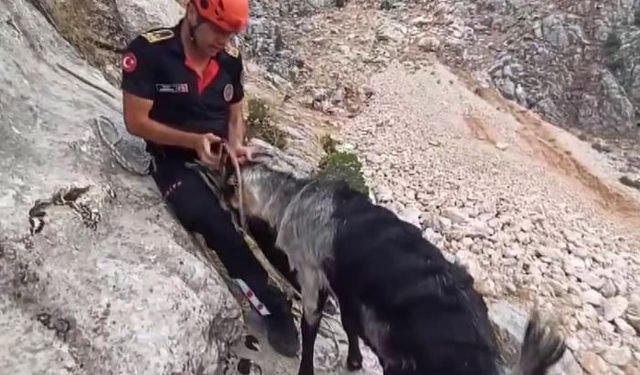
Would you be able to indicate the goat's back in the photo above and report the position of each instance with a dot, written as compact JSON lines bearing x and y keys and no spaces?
{"x":433,"y":314}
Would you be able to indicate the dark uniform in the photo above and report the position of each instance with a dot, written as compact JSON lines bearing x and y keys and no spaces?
{"x":155,"y":67}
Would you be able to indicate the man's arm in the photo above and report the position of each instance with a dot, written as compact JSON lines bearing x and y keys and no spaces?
{"x":136,"y":118}
{"x":138,"y":93}
{"x":237,"y":128}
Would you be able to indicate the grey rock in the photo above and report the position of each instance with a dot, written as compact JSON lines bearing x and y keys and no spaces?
{"x":554,"y":31}
{"x":508,"y":88}
{"x":611,"y":102}
{"x":122,"y":289}
{"x":390,"y":32}
{"x":139,"y":16}
{"x":21,"y":333}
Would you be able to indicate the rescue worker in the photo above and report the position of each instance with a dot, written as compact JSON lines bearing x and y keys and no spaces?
{"x":183,"y":94}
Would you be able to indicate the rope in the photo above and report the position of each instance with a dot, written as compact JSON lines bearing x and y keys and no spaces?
{"x":111,"y":146}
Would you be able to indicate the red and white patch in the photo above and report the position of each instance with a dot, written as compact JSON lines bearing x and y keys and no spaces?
{"x":253,"y":299}
{"x":129,"y":62}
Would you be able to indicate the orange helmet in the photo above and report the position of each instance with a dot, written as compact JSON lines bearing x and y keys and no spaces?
{"x":229,"y":15}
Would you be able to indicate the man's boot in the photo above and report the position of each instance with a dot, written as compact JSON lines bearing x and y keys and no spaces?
{"x":282,"y":331}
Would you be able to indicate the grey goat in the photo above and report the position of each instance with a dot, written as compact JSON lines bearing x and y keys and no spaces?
{"x":417,"y":312}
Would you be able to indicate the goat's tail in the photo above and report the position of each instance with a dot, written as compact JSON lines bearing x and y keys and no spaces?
{"x":542,"y":347}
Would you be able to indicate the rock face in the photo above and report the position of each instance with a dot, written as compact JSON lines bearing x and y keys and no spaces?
{"x":104,"y":284}
{"x":576,"y":63}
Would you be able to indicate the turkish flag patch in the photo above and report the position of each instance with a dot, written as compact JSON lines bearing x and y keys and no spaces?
{"x":129,"y":62}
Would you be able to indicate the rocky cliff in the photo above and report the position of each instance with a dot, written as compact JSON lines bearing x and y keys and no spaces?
{"x":573,"y":62}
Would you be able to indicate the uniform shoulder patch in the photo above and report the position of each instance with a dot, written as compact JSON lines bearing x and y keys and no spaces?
{"x":232,"y":50}
{"x":154,"y":36}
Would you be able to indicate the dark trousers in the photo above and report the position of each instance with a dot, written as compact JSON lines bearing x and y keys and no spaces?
{"x":198,"y":210}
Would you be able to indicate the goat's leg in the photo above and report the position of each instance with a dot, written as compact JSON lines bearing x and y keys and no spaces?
{"x":309,"y":325}
{"x":350,"y":320}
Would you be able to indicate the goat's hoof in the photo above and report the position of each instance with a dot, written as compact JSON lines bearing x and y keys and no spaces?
{"x":354,"y":364}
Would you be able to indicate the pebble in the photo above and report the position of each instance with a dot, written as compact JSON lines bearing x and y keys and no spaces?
{"x":455,"y":215}
{"x":592,"y":297}
{"x":619,"y":356}
{"x":592,"y":280}
{"x":573,"y":343}
{"x":502,"y":146}
{"x":467,"y":242}
{"x":429,"y":44}
{"x":614,"y":307}
{"x":624,"y":327}
{"x":384,"y":194}
{"x":609,"y":289}
{"x":592,"y":363}
{"x":513,"y":251}
{"x":445,"y":224}
{"x":411,"y":215}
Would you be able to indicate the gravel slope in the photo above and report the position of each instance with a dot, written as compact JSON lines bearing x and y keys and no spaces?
{"x":507,"y":199}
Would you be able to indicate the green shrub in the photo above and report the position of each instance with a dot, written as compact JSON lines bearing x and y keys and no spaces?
{"x":261,"y":123}
{"x":344,"y":166}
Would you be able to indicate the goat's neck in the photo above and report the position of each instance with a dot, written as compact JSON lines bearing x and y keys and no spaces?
{"x":278,"y":198}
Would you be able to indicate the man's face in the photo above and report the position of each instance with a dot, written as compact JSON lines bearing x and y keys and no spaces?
{"x":210,"y":38}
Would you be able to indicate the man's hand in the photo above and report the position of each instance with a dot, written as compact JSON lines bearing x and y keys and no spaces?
{"x":203,"y":147}
{"x":242,"y":153}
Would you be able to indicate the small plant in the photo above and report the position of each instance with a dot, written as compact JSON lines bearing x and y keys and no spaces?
{"x":340,"y":165}
{"x":613,"y":43}
{"x":614,"y":60}
{"x":261,"y":123}
{"x":328,"y":144}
